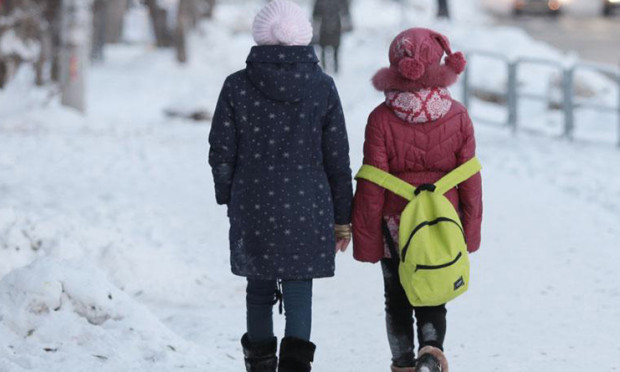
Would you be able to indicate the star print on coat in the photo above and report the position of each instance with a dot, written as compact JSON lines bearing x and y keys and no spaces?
{"x":279,"y":155}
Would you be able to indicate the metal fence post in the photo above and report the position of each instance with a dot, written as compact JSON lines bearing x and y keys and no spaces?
{"x":569,"y":105}
{"x":466,"y":97}
{"x":512,"y":95}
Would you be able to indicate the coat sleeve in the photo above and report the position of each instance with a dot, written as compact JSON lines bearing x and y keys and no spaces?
{"x":335,"y":148}
{"x":470,"y":191}
{"x":369,"y":199}
{"x":223,"y":142}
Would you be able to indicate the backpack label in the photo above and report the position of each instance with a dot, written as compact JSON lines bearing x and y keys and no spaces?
{"x":459,"y":283}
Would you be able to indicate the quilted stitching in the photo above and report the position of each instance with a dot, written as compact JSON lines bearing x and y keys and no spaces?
{"x":417,"y":153}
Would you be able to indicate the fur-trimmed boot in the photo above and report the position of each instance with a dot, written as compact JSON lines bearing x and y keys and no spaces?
{"x":296,"y":355}
{"x":402,"y":369}
{"x":260,"y":356}
{"x":431,"y":359}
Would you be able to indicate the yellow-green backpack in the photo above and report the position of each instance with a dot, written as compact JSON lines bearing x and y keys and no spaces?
{"x":434,"y":263}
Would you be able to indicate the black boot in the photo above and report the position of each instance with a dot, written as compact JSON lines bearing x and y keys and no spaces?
{"x":260,"y":356}
{"x":296,"y":355}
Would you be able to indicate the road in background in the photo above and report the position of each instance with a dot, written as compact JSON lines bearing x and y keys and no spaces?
{"x":595,"y":39}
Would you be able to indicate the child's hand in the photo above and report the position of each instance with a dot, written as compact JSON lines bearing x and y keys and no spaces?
{"x":342,"y":244}
{"x":343,"y":237}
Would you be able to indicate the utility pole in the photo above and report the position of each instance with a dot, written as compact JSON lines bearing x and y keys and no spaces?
{"x":76,"y":29}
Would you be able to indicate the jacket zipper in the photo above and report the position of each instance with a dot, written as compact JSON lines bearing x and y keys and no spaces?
{"x":428,"y":223}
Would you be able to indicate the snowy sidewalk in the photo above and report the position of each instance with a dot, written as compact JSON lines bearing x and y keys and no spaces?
{"x":130,"y":192}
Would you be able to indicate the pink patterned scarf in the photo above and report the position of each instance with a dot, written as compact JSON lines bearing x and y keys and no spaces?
{"x":420,"y":106}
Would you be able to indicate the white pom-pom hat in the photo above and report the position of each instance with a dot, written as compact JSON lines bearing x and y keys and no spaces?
{"x":282,"y":22}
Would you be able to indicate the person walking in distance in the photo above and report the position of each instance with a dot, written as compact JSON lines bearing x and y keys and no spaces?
{"x":328,"y":16}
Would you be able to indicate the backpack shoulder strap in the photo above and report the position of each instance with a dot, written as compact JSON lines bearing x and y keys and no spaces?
{"x":386,"y":180}
{"x":460,"y":174}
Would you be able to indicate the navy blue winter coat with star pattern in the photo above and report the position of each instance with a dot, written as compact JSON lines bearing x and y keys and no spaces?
{"x":280,"y":159}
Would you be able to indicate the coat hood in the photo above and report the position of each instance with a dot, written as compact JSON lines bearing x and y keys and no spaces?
{"x":283,"y":73}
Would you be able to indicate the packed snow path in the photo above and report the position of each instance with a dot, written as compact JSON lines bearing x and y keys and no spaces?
{"x":130,"y":191}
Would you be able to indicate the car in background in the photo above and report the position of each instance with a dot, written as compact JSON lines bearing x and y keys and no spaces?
{"x":552,"y":7}
{"x":609,"y":6}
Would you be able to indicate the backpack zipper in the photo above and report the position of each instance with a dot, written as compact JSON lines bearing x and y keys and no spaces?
{"x":428,"y":223}
{"x":436,"y":267}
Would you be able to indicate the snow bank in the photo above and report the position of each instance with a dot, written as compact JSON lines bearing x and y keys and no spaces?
{"x":492,"y":75}
{"x":514,"y":43}
{"x":68,"y":313}
{"x":131,"y":263}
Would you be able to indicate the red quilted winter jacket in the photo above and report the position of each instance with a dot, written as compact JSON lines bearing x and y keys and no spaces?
{"x":418,"y":154}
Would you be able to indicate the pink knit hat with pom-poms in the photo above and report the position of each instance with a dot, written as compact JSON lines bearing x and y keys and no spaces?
{"x":282,"y":22}
{"x":416,"y":62}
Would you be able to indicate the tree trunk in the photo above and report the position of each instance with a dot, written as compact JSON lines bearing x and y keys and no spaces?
{"x":115,"y":17}
{"x":52,"y":17}
{"x":8,"y":68}
{"x":180,"y":42}
{"x":3,"y":73}
{"x":159,"y":19}
{"x":186,"y":20}
{"x":45,"y":56}
{"x":210,"y":8}
{"x":100,"y":15}
{"x":75,"y":36}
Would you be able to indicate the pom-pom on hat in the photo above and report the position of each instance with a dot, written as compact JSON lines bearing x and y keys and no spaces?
{"x":282,"y":22}
{"x":416,"y":62}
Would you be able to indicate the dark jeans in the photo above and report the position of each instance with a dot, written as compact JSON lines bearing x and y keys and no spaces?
{"x":431,"y":321}
{"x":443,"y":11}
{"x":297,"y":298}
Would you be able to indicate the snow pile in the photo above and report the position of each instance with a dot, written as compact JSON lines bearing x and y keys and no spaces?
{"x":19,"y":246}
{"x":133,"y":265}
{"x":11,"y":44}
{"x":68,"y":313}
{"x":20,"y":97}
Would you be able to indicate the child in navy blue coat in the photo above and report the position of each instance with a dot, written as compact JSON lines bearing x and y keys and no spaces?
{"x":280,"y":160}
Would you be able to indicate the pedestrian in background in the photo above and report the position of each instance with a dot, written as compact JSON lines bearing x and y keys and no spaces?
{"x":331,"y":18}
{"x":443,"y":9}
{"x":280,"y":159}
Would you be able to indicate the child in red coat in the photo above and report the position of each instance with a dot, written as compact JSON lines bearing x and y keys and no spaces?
{"x":418,"y":134}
